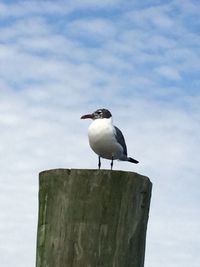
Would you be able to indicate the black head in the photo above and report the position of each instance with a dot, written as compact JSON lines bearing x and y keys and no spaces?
{"x":102,"y":114}
{"x":98,"y":114}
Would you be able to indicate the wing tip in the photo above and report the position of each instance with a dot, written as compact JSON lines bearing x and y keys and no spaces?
{"x":133,"y":160}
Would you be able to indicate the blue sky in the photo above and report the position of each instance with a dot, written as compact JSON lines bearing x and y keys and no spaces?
{"x":62,"y":59}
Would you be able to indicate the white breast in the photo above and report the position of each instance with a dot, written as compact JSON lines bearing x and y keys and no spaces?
{"x":102,"y":139}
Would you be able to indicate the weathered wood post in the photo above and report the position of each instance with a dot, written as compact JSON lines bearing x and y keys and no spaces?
{"x":92,"y":218}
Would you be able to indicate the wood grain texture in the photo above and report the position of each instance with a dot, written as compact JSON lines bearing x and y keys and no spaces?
{"x":92,"y":218}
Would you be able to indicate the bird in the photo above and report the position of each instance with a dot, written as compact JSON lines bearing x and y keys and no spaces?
{"x":105,"y":139}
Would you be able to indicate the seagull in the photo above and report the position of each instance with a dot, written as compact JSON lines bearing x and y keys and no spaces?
{"x":105,"y":139}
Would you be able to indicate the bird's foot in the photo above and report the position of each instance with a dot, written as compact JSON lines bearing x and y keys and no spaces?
{"x":111,"y":164}
{"x":99,"y":163}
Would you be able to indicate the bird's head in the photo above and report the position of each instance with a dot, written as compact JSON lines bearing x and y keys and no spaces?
{"x":98,"y":114}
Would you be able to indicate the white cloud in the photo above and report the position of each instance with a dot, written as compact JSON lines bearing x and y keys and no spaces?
{"x":24,"y":27}
{"x":157,"y":16}
{"x":27,"y":8}
{"x":99,"y":29}
{"x":169,"y":72}
{"x":50,"y":75}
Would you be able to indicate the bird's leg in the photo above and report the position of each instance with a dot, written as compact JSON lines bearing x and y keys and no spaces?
{"x":111,"y":163}
{"x":99,"y":164}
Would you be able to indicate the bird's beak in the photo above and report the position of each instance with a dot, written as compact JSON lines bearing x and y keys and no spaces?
{"x":87,"y":116}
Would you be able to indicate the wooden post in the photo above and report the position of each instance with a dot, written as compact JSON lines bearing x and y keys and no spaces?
{"x":92,"y":218}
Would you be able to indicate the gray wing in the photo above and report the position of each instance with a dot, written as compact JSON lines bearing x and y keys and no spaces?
{"x":120,"y":139}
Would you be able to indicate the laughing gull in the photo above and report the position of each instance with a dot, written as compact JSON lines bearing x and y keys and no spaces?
{"x":105,"y":139}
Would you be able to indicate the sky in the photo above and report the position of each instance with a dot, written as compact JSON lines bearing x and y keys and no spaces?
{"x":139,"y":59}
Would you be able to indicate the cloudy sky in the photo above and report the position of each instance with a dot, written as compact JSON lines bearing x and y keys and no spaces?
{"x":140,"y":59}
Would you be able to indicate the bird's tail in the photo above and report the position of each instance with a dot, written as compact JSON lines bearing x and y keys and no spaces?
{"x":132,"y":160}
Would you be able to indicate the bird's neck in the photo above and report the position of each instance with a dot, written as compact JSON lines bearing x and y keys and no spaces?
{"x":104,"y":121}
{"x":99,"y":123}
